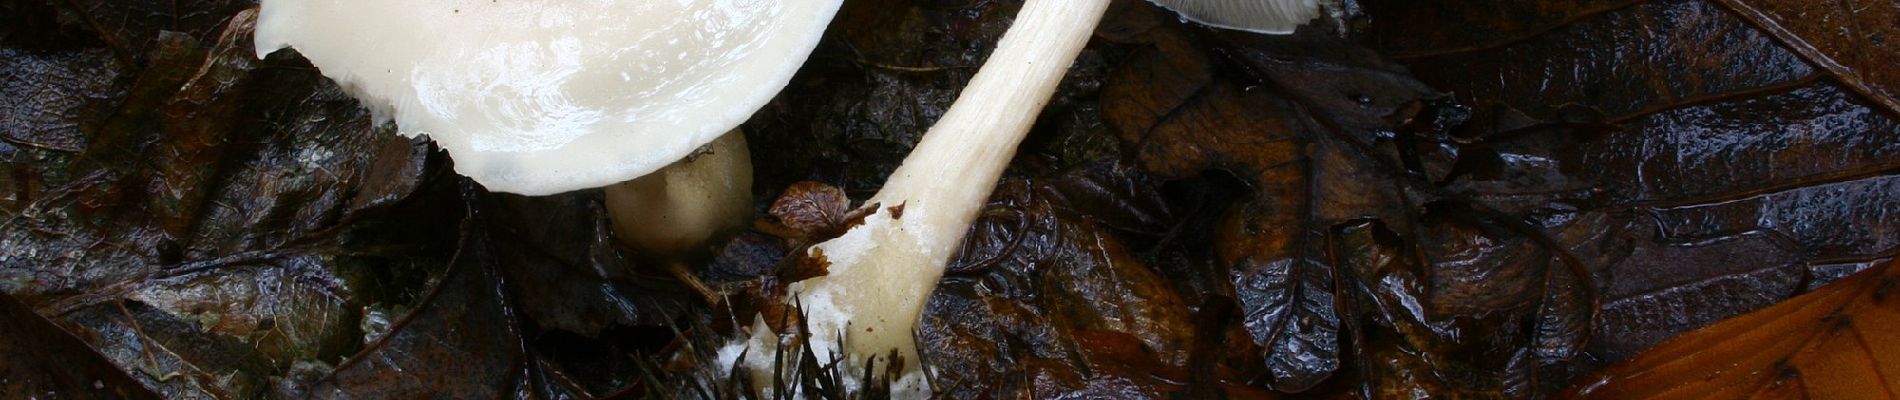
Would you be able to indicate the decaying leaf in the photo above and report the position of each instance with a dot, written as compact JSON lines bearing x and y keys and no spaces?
{"x":1854,"y":43}
{"x":1834,"y":343}
{"x":565,"y":270}
{"x":1750,"y":156}
{"x":1042,"y":300}
{"x":813,"y":210}
{"x":200,"y":216}
{"x":1326,"y":137}
{"x":42,"y":360}
{"x":461,"y":341}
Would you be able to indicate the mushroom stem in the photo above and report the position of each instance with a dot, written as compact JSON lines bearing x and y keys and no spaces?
{"x":882,"y":272}
{"x":669,"y":215}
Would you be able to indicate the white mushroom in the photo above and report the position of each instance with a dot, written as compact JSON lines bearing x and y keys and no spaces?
{"x":882,"y":272}
{"x":1262,"y":16}
{"x":548,"y":96}
{"x":664,"y":212}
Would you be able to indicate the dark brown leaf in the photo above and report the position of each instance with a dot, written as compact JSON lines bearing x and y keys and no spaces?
{"x":505,"y":321}
{"x":44,"y":95}
{"x":460,"y":341}
{"x":1853,"y":41}
{"x":1754,"y":135}
{"x":1742,"y":133}
{"x":1047,"y":302}
{"x":813,"y":209}
{"x":42,"y":360}
{"x":1179,"y":121}
{"x":1835,"y":343}
{"x":1621,"y":57}
{"x":200,"y":216}
{"x":1416,"y":323}
{"x":1324,"y":136}
{"x":566,"y":271}
{"x":220,"y":226}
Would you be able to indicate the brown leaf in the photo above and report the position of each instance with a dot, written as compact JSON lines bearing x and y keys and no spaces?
{"x":47,"y":95}
{"x":565,"y":269}
{"x":1042,"y":300}
{"x":465,"y":338}
{"x":1738,"y":132}
{"x":129,"y":28}
{"x":1857,"y":41}
{"x":1834,"y":343}
{"x":812,"y":265}
{"x":192,"y":212}
{"x":461,"y":341}
{"x":37,"y":358}
{"x":813,"y":209}
{"x":1617,"y":56}
{"x":1325,"y":137}
{"x":1178,"y":121}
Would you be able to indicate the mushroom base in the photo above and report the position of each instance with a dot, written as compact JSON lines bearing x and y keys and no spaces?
{"x":673,"y":212}
{"x":879,"y":279}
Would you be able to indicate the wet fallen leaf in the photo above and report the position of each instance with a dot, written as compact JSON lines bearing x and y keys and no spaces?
{"x":1752,"y":158}
{"x":1323,"y":137}
{"x":460,"y":341}
{"x":200,"y":216}
{"x":565,"y":270}
{"x":1834,"y":343}
{"x":42,"y":360}
{"x":1854,"y":42}
{"x":1041,"y":300}
{"x":813,"y":210}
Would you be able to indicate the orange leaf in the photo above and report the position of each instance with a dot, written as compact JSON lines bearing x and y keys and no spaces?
{"x":1840,"y":342}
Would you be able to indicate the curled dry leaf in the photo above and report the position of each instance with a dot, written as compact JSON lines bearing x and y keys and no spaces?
{"x":814,"y":210}
{"x":810,"y":212}
{"x":1834,"y":343}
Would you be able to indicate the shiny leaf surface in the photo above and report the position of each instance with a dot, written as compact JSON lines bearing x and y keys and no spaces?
{"x":1834,"y":343}
{"x":1751,"y":156}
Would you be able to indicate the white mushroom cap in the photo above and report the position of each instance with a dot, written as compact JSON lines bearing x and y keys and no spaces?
{"x":547,"y":96}
{"x":1263,"y":16}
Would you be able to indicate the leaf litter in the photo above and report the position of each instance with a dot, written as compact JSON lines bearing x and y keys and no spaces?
{"x":1425,"y":206}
